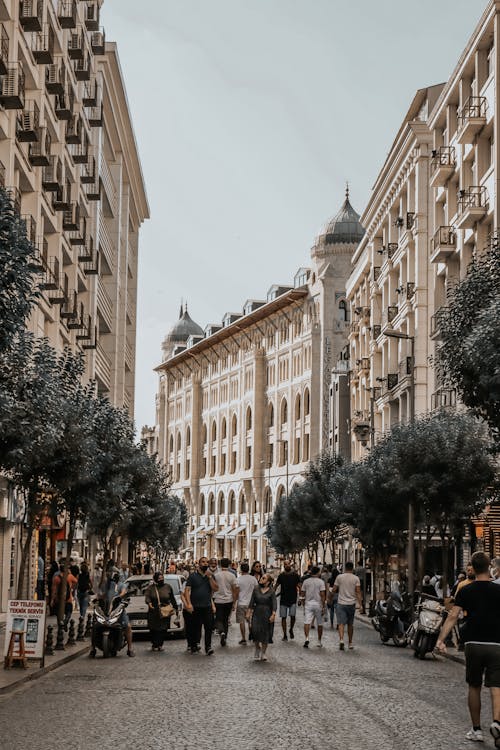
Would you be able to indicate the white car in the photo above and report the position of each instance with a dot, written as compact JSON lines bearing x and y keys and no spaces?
{"x":137,"y":610}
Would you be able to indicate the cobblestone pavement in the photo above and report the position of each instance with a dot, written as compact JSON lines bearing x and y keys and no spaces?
{"x":375,"y":697}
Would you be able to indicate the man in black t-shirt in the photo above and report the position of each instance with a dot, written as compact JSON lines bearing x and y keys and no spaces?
{"x":288,"y":583}
{"x":198,"y":597}
{"x":480,"y":601}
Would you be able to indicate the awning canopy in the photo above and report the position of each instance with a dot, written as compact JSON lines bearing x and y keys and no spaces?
{"x":223,"y":533}
{"x":209,"y":528}
{"x":197,"y":531}
{"x":260,"y":532}
{"x":236,"y":531}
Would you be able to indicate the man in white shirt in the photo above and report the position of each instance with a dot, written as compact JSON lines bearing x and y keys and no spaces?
{"x":245,"y":585}
{"x":348,"y":587}
{"x":313,"y":592}
{"x":224,"y":599}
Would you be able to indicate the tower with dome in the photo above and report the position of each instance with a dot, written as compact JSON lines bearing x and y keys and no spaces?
{"x":244,"y":405}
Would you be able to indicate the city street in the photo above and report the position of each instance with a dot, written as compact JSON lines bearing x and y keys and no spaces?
{"x":374,"y":697}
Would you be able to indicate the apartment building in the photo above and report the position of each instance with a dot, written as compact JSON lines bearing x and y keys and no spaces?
{"x":69,"y":162}
{"x":243,"y":405}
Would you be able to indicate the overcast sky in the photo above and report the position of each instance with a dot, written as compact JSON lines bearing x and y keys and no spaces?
{"x":249,"y":116}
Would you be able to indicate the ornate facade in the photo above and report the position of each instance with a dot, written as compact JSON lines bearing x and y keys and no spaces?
{"x":244,"y":405}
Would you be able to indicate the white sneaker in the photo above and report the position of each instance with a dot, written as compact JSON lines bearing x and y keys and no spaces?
{"x":495,"y":732}
{"x":475,"y":735}
{"x":256,"y":656}
{"x":319,"y":644}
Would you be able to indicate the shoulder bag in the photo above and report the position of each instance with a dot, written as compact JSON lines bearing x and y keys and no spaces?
{"x":166,"y":610}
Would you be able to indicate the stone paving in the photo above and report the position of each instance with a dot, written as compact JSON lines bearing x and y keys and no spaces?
{"x":373,"y":697}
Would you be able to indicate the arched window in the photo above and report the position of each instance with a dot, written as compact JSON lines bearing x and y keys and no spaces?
{"x":243,"y":504}
{"x":248,"y":420}
{"x":268,"y":501}
{"x":307,"y":403}
{"x":280,"y":493}
{"x":204,"y":435}
{"x":343,"y":313}
{"x":188,"y":437}
{"x":171,"y":444}
{"x":214,"y":431}
{"x":284,"y":412}
{"x":178,"y":441}
{"x":220,"y":504}
{"x":270,"y":415}
{"x":223,"y":429}
{"x":234,"y":426}
{"x":297,"y":407}
{"x":211,"y":504}
{"x":201,"y":505}
{"x":232,"y":503}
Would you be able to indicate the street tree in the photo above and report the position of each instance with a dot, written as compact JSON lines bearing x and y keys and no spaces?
{"x":468,"y":356}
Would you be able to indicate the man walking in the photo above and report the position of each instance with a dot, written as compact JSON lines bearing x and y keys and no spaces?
{"x":224,"y":599}
{"x":314,"y":595}
{"x":480,"y":599}
{"x":288,"y":584}
{"x":348,"y":587}
{"x":245,"y":585}
{"x":198,"y":596}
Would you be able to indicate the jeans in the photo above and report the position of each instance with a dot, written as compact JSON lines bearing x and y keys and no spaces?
{"x":202,"y":617}
{"x":222,"y":615}
{"x":83,"y":603}
{"x":333,"y":611}
{"x":189,"y":628}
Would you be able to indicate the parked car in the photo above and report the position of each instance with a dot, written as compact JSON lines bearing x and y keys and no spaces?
{"x":138,"y":609}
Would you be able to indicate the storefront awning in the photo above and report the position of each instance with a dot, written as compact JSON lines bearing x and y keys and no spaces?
{"x":209,"y":529}
{"x":260,"y":532}
{"x":223,"y":533}
{"x":234,"y":532}
{"x":197,"y":531}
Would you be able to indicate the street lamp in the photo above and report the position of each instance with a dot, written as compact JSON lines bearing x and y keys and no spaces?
{"x":411,"y":510}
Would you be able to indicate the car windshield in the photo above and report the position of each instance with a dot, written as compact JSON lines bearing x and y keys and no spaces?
{"x":137,"y":588}
{"x":174,"y":584}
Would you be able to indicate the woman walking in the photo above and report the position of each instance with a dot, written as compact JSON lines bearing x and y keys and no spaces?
{"x":161,"y":606}
{"x":83,"y":589}
{"x":262,"y":611}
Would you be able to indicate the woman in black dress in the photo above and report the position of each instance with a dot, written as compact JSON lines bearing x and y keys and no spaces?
{"x":157,"y":595}
{"x":262,"y":611}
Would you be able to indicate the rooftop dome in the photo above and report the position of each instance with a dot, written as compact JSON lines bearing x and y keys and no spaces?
{"x":183,"y":329}
{"x":345,"y":227}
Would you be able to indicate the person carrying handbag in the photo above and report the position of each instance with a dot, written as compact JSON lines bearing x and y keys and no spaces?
{"x":161,"y":606}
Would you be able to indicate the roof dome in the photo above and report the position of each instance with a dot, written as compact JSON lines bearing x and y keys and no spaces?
{"x":183,"y":329}
{"x":345,"y":227}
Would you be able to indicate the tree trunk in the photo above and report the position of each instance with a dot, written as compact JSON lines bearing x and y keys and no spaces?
{"x":24,"y":559}
{"x":444,"y":560}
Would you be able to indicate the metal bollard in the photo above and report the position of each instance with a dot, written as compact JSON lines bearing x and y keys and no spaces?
{"x":79,"y":635}
{"x":88,"y":627}
{"x":49,"y":643}
{"x":71,"y":634}
{"x":60,"y":638}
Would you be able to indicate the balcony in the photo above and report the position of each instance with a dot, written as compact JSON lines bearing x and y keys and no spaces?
{"x":67,"y":14}
{"x":61,"y":200}
{"x":443,"y":244}
{"x":90,"y":94}
{"x":410,"y":220}
{"x":30,"y":228}
{"x":389,"y":314}
{"x":410,"y":290}
{"x":88,"y":174}
{"x":363,"y":364}
{"x":55,"y":78}
{"x":78,"y":322}
{"x":82,"y":68}
{"x":92,"y":341}
{"x":94,"y":190}
{"x":390,"y":249}
{"x":27,"y":123}
{"x":405,"y":368}
{"x":71,"y":218}
{"x":438,"y":321}
{"x":96,"y":116}
{"x":443,"y":165}
{"x":92,"y":16}
{"x":444,"y":398}
{"x":471,"y":119}
{"x":375,"y":273}
{"x":42,"y":253}
{"x":85,"y":329}
{"x":64,"y":105}
{"x":74,"y":129}
{"x":43,"y":46}
{"x":4,"y":50}
{"x":52,"y":175}
{"x":472,"y":206}
{"x":80,"y":153}
{"x":49,"y":278}
{"x":105,"y":305}
{"x":31,"y":15}
{"x":86,"y":250}
{"x":12,"y":87}
{"x":14,"y":195}
{"x":79,"y":236}
{"x":76,"y":44}
{"x":98,"y":42}
{"x":376,"y":331}
{"x":392,"y":380}
{"x":69,"y":308}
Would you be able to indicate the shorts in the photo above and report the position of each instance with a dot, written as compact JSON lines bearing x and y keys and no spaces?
{"x":482,"y":659}
{"x":241,"y":613}
{"x":288,"y":610}
{"x":313,"y":611}
{"x":124,"y":621}
{"x":345,"y":614}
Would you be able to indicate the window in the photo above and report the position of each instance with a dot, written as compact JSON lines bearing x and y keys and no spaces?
{"x":204,"y":435}
{"x":178,"y":442}
{"x":307,"y":403}
{"x":211,"y":505}
{"x":234,"y":426}
{"x":171,"y":444}
{"x":343,"y":313}
{"x":249,"y":419}
{"x":248,"y":457}
{"x":270,"y":454}
{"x":214,"y":431}
{"x":232,"y":503}
{"x":306,"y":447}
{"x":284,"y":412}
{"x":270,"y":415}
{"x":233,"y":462}
{"x":223,"y":431}
{"x":243,"y":504}
{"x":223,"y":464}
{"x":297,"y":408}
{"x":188,"y":437}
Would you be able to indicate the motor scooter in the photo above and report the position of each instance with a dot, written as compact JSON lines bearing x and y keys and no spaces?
{"x":108,"y":634}
{"x":424,"y":631}
{"x":392,"y":618}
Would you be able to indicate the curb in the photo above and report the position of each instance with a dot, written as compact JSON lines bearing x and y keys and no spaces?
{"x":44,"y":670}
{"x":452,"y":657}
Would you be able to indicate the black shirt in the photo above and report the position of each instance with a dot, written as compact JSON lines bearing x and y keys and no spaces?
{"x":201,"y":591}
{"x":288,"y":583}
{"x":481,"y":601}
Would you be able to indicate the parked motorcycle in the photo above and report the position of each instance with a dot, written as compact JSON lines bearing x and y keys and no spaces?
{"x":108,"y":632}
{"x":392,"y":618}
{"x":424,"y":631}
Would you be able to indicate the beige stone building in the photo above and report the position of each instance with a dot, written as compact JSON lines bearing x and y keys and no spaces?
{"x":243,"y":405}
{"x":434,"y":206}
{"x":69,"y":162}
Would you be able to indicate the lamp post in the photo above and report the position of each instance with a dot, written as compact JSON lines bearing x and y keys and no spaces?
{"x":411,"y":509}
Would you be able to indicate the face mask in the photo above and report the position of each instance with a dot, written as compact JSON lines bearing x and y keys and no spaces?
{"x":160,"y":582}
{"x":203,"y":568}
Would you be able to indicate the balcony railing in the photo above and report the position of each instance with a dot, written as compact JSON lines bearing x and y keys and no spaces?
{"x":12,"y":87}
{"x":30,"y":228}
{"x":67,"y":13}
{"x":471,"y":118}
{"x":472,"y":206}
{"x":376,"y":331}
{"x":444,"y":398}
{"x":4,"y":50}
{"x":2,"y":174}
{"x":52,"y":175}
{"x":14,"y":195}
{"x":410,"y":290}
{"x":43,"y":45}
{"x":31,"y":15}
{"x":92,"y":15}
{"x":389,"y":314}
{"x":375,"y":273}
{"x":55,"y":78}
{"x":443,"y":244}
{"x":443,"y":164}
{"x":405,"y":367}
{"x":438,"y":321}
{"x":98,"y":42}
{"x":27,"y":123}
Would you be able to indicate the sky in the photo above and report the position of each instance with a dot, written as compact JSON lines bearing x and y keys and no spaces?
{"x":250,"y":115}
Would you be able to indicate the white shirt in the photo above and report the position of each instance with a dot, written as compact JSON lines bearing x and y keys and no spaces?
{"x":246,"y":585}
{"x":347,"y":583}
{"x":312,"y":588}
{"x":226,"y":582}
